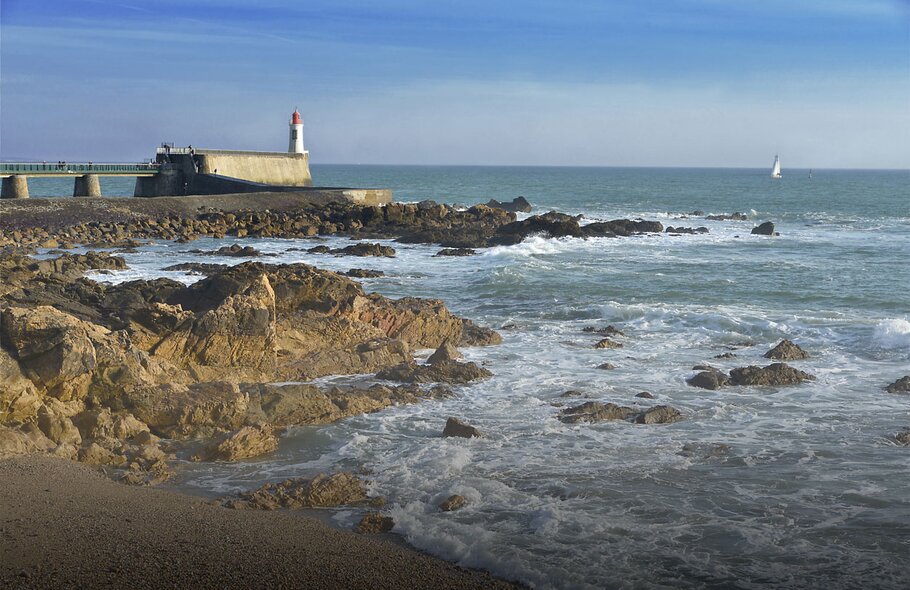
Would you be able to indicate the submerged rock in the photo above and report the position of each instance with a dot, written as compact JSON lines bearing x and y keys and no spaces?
{"x":645,"y":395}
{"x":456,"y":252}
{"x":606,"y":366}
{"x":659,"y":415}
{"x":374,"y":523}
{"x":364,"y":273}
{"x":453,"y":502}
{"x":358,"y":249}
{"x":607,"y":343}
{"x":902,"y":385}
{"x":610,"y":330}
{"x":593,"y":412}
{"x":786,"y":350}
{"x":204,"y":268}
{"x":724,"y":217}
{"x":456,"y":428}
{"x":902,"y":438}
{"x":774,"y":374}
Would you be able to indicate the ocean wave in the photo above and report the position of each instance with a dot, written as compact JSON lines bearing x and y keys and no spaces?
{"x":892,"y":334}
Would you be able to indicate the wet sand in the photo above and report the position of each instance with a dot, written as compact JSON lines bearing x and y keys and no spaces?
{"x":64,"y":525}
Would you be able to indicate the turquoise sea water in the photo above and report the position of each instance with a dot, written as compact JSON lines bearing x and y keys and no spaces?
{"x":810,"y":494}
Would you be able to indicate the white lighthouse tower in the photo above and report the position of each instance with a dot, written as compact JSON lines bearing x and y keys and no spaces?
{"x":295,"y":137}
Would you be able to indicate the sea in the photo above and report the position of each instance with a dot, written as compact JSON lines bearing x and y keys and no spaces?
{"x":758,"y":487}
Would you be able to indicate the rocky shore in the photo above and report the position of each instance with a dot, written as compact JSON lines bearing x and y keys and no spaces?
{"x":132,"y":378}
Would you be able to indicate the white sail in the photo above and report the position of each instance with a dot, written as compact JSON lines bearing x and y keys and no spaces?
{"x":775,"y":169}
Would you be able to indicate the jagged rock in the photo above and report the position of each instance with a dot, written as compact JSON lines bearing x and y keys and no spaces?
{"x":240,"y":333}
{"x":621,"y":227}
{"x":457,"y":428}
{"x":659,"y":415}
{"x":725,"y":355}
{"x":296,"y":404}
{"x":786,"y":350}
{"x":902,"y":385}
{"x":709,"y":379}
{"x":19,"y":398}
{"x":337,"y":489}
{"x":774,"y":374}
{"x":606,"y":366}
{"x":474,"y":335}
{"x":607,"y":343}
{"x":232,"y":250}
{"x":606,"y":331}
{"x":593,"y":412}
{"x":14,"y":441}
{"x":686,"y":230}
{"x":182,"y":411}
{"x":453,"y":502}
{"x":439,"y":372}
{"x":375,"y":523}
{"x":102,"y":423}
{"x":456,"y":252}
{"x":203,"y":268}
{"x":249,"y":441}
{"x":516,"y":205}
{"x":445,"y":353}
{"x":764,"y":229}
{"x":364,"y":273}
{"x":95,"y":454}
{"x":901,"y":438}
{"x":362,"y":358}
{"x":359,"y":249}
{"x":552,"y":224}
{"x":56,"y":424}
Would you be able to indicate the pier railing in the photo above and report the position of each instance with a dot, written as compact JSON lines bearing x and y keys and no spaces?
{"x":39,"y":168}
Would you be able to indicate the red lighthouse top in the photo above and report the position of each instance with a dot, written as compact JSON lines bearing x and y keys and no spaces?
{"x":295,"y":118}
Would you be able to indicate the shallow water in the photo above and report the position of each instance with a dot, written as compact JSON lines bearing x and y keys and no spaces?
{"x":810,"y":493}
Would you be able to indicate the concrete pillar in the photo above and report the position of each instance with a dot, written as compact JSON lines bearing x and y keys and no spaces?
{"x":14,"y":187}
{"x":87,"y":186}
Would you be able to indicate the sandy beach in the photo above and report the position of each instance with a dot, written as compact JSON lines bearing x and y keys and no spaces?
{"x":65,"y":525}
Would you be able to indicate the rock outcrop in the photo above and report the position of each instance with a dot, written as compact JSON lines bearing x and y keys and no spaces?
{"x":337,"y":489}
{"x":374,"y":523}
{"x":516,"y":205}
{"x":457,"y":428}
{"x":764,"y":229}
{"x":775,"y":374}
{"x":709,"y":379}
{"x":249,"y":441}
{"x":594,"y":412}
{"x":786,"y":350}
{"x":902,"y":385}
{"x":453,"y":502}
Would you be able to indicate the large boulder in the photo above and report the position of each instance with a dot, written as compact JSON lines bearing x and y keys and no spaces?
{"x":787,"y":350}
{"x":54,"y":421}
{"x":710,"y":379}
{"x":659,"y":415}
{"x":764,"y":229}
{"x":552,"y":224}
{"x":19,"y":398}
{"x":249,"y":441}
{"x":374,"y":523}
{"x":238,"y":335}
{"x":54,"y":349}
{"x":775,"y":374}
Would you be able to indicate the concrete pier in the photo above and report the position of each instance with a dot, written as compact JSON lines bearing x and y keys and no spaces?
{"x":88,"y":185}
{"x":14,"y":187}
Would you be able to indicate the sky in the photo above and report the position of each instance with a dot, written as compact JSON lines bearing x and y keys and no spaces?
{"x":713,"y":83}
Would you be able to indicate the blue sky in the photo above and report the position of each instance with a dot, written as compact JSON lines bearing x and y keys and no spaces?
{"x":826,"y":83}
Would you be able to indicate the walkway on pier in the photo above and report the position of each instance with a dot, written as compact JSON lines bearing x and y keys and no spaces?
{"x":86,"y":174}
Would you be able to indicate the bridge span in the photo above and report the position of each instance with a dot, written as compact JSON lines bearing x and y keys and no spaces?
{"x":86,"y":175}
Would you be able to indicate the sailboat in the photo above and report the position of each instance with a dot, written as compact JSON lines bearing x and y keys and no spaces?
{"x":775,"y":169}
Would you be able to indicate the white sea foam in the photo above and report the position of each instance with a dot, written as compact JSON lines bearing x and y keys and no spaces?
{"x":892,"y":334}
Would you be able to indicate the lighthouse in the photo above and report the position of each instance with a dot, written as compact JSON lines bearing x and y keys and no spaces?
{"x":295,"y":136}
